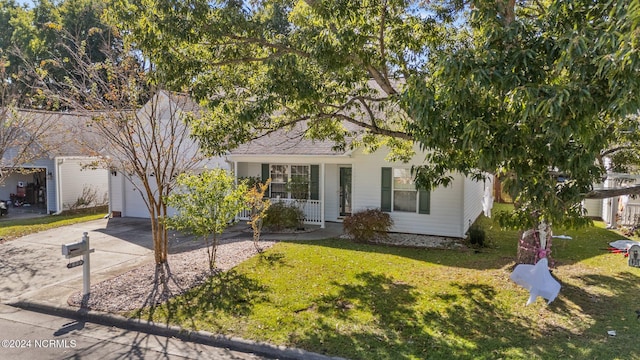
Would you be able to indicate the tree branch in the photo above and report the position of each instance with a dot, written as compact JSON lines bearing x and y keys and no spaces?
{"x":609,"y":193}
{"x":264,"y":42}
{"x":615,"y":149}
{"x":374,"y":129}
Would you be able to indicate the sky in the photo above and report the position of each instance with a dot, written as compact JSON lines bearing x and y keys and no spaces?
{"x":25,"y":2}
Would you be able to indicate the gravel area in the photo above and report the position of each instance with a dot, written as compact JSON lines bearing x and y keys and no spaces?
{"x":422,"y":241}
{"x":417,"y":241}
{"x":138,"y":288}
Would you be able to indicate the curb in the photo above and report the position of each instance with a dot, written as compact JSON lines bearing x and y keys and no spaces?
{"x":160,"y":329}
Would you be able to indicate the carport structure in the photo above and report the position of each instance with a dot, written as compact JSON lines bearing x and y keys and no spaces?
{"x":60,"y":172}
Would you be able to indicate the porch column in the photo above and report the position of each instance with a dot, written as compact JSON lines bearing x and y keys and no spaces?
{"x":235,"y":171}
{"x":235,"y":177}
{"x":322,"y":199}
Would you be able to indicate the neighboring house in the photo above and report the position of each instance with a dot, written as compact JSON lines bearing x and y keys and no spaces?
{"x":619,"y":210}
{"x":125,"y":196}
{"x":339,"y":183}
{"x":63,"y":174}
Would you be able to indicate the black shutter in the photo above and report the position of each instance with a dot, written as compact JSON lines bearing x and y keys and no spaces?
{"x":265,"y":176}
{"x":385,"y":189}
{"x":424,"y":202}
{"x":314,"y":187}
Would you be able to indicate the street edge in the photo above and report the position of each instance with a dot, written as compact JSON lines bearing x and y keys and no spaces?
{"x":160,"y":329}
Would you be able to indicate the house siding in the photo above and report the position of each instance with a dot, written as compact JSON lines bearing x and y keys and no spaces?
{"x":447,"y":203}
{"x":472,"y":203}
{"x":75,"y":179}
{"x":593,"y":207}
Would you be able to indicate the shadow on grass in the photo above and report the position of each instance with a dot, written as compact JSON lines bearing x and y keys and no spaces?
{"x":465,"y":322}
{"x":229,"y":293}
{"x":401,"y":330}
{"x":272,"y":259}
{"x":600,"y":297}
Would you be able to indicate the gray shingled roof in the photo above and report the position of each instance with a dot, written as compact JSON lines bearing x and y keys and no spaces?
{"x":293,"y":142}
{"x":67,"y":132}
{"x":290,"y":142}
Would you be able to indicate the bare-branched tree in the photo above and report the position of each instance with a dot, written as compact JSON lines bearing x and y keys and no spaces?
{"x":140,"y":131}
{"x":21,"y":132}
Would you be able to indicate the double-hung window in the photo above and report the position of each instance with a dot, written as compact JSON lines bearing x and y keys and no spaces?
{"x":299,"y":182}
{"x":399,"y":192}
{"x":405,"y":194}
{"x":292,"y":181}
{"x":279,"y":175}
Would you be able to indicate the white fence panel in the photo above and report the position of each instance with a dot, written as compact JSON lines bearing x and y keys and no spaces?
{"x":630,"y":214}
{"x":312,"y":210}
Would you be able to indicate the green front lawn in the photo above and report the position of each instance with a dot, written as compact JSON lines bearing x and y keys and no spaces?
{"x":376,"y":302}
{"x":11,"y":229}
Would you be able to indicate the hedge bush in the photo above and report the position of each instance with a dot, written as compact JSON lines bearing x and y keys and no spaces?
{"x":281,"y":216}
{"x":367,"y":225}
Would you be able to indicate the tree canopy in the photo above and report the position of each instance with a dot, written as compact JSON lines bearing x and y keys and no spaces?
{"x":539,"y":98}
{"x":49,"y":35}
{"x":538,"y":92}
{"x":534,"y":91}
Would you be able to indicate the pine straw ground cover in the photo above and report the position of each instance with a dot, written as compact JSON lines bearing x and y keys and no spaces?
{"x":364,"y":301}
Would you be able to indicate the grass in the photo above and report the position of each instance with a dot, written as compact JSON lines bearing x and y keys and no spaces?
{"x":11,"y":229}
{"x":375,"y":302}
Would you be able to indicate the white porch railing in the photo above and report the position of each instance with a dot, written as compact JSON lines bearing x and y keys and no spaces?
{"x":312,"y":210}
{"x":629,"y":214}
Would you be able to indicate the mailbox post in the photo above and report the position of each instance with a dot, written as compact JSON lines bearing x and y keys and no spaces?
{"x":76,"y":249}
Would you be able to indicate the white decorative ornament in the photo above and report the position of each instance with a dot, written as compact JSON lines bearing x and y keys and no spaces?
{"x":537,"y":279}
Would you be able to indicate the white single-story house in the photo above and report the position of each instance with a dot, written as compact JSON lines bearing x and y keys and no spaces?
{"x":125,"y":196}
{"x":343,"y":182}
{"x":63,"y":174}
{"x":616,"y":211}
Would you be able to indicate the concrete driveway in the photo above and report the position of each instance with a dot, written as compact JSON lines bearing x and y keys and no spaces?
{"x":33,"y":267}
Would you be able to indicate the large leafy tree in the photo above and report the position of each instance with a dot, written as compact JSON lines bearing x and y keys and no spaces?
{"x":537,"y":92}
{"x":263,"y":65}
{"x":47,"y":35}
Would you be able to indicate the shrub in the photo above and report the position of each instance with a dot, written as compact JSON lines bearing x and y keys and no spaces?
{"x":366,"y":225}
{"x":476,"y":236}
{"x":281,"y":216}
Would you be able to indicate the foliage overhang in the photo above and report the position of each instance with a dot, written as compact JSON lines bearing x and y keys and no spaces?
{"x":520,"y":89}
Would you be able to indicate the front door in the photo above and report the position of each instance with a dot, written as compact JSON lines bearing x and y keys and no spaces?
{"x":345,"y":191}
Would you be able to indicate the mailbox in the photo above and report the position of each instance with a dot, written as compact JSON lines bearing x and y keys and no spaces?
{"x":634,"y":255}
{"x":74,"y":249}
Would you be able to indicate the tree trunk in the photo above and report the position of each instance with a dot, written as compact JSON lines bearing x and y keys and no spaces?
{"x":214,"y":249}
{"x":535,"y":244}
{"x":160,"y":242}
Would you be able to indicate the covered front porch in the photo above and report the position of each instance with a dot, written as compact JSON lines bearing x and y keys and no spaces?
{"x":312,"y":209}
{"x":321,"y":190}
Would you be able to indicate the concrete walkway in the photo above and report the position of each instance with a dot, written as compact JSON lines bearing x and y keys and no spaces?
{"x":35,"y":276}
